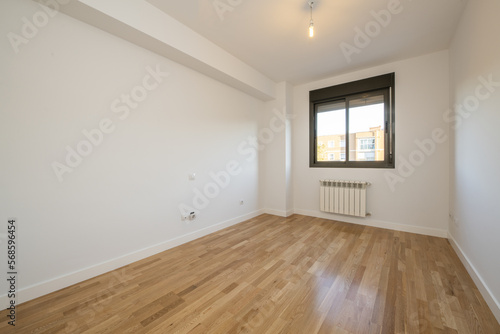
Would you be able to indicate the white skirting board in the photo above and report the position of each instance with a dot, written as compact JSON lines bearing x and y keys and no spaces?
{"x":434,"y":232}
{"x":279,"y":213}
{"x":481,"y":285}
{"x":58,"y":283}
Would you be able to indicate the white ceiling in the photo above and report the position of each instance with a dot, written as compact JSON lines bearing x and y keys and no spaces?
{"x":272,"y":35}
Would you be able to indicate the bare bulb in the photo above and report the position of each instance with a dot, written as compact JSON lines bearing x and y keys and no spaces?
{"x":311,"y":30}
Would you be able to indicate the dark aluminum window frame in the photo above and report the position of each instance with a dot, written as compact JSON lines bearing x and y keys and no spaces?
{"x":383,"y":83}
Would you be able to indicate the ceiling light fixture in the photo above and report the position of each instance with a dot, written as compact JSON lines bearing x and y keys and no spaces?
{"x":311,"y":24}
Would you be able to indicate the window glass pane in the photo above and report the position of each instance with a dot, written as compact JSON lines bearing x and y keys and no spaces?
{"x":352,"y":124}
{"x":331,"y":130}
{"x":366,"y":129}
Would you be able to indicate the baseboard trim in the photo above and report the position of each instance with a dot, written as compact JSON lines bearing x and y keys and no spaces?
{"x":61,"y":282}
{"x":279,"y":213}
{"x":434,"y":232}
{"x":476,"y":277}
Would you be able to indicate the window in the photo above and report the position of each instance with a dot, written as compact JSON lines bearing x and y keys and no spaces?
{"x":331,"y":143}
{"x":367,"y":149}
{"x":366,"y":144}
{"x":360,"y":116}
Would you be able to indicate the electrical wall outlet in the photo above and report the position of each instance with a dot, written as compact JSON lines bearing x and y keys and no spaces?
{"x":189,"y":216}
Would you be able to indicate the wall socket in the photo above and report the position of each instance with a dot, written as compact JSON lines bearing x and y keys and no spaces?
{"x":191,"y":216}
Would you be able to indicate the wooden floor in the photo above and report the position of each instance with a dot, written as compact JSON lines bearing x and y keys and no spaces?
{"x":276,"y":275}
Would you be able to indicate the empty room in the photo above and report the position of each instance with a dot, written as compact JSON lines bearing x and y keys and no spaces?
{"x":237,"y":166}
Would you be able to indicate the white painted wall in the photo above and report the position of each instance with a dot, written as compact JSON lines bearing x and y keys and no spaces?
{"x":289,"y":150}
{"x":420,"y":203}
{"x":275,"y":143}
{"x":475,"y":161}
{"x":124,"y":196}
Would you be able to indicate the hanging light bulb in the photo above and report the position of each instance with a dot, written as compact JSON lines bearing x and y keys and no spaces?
{"x":311,"y":23}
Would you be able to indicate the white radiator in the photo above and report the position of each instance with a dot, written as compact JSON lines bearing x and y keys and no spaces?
{"x":343,"y":197}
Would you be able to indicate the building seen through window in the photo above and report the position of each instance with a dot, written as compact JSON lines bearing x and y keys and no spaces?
{"x":369,"y":146}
